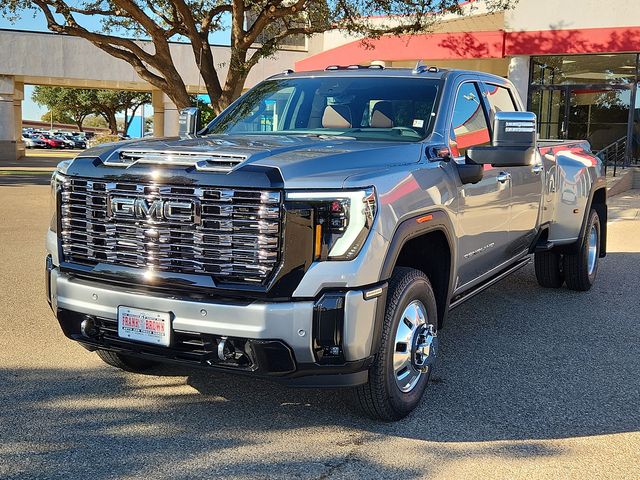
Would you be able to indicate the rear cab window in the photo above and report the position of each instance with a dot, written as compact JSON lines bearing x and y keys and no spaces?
{"x":500,"y":99}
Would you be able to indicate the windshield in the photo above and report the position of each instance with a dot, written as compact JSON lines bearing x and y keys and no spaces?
{"x":365,"y":108}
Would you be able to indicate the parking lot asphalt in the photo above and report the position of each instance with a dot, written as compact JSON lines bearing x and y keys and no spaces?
{"x":531,"y":383}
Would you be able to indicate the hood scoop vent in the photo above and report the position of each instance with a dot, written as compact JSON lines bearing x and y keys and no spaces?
{"x":203,"y":161}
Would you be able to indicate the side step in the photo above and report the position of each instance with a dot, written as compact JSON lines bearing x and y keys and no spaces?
{"x":492,"y":281}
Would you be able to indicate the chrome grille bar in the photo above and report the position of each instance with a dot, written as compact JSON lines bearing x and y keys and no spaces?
{"x":230,"y":234}
{"x":204,"y":161}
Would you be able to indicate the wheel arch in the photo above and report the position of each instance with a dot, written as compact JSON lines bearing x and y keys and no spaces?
{"x":426,"y":242}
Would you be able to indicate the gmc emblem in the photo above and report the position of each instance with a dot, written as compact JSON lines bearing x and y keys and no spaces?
{"x":140,"y":208}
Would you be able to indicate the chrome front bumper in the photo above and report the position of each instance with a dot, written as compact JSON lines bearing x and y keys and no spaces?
{"x":290,"y":322}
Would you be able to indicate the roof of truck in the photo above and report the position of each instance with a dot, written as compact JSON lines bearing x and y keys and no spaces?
{"x":422,"y":71}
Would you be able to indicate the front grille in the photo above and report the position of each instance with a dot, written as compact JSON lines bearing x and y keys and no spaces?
{"x":231,"y":234}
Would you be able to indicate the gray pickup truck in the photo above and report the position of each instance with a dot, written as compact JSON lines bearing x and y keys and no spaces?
{"x":320,"y":229}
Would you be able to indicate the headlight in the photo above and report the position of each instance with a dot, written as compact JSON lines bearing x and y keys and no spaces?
{"x":342,"y":220}
{"x":56,"y":186}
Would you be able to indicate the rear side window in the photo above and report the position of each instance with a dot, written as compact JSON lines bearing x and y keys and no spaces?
{"x":500,"y":100}
{"x":469,"y":125}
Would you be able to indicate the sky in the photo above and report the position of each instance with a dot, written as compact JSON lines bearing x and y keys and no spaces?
{"x":36,"y":23}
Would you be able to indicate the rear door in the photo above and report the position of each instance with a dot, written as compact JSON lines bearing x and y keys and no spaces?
{"x":484,"y":208}
{"x":526,"y":182}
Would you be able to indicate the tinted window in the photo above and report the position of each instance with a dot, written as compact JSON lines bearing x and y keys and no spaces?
{"x":469,"y":125}
{"x":365,"y":108}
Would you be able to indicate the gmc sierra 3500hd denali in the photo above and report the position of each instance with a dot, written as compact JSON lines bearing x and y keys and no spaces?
{"x":319,"y":230}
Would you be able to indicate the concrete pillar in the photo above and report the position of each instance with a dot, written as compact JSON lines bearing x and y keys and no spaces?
{"x":8,"y":134}
{"x":519,"y":75}
{"x":165,"y":115}
{"x":171,"y":115}
{"x":18,"y":97}
{"x":158,"y":113}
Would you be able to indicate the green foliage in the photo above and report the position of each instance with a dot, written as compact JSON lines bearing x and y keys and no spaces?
{"x":100,"y":139}
{"x":77,"y":104}
{"x":95,"y":121}
{"x":58,"y":117}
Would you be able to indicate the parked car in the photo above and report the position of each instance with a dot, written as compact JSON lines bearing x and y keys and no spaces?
{"x":71,"y":141}
{"x":51,"y":141}
{"x":33,"y":141}
{"x":323,"y":242}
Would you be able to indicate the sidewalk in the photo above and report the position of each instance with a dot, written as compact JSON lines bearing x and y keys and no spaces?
{"x":625,"y":206}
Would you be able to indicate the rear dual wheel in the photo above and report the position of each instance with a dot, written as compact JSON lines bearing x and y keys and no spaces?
{"x":578,"y":269}
{"x":402,"y":367}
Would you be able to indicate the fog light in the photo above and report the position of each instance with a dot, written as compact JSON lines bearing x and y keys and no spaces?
{"x":88,"y":328}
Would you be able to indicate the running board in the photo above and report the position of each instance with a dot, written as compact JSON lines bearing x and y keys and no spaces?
{"x":488,"y":283}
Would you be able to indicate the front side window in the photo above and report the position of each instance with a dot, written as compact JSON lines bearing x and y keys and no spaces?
{"x":364,"y":108}
{"x":469,"y":125}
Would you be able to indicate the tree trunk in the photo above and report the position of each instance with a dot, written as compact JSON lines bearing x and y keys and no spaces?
{"x":126,"y":121}
{"x":110,"y":117}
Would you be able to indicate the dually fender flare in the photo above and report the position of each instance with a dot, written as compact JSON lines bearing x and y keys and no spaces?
{"x":599,"y":184}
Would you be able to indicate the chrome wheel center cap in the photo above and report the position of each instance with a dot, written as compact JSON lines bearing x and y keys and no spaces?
{"x":425,"y":348}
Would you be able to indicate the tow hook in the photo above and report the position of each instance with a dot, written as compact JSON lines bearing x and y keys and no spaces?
{"x":426,"y":348}
{"x":225,"y":350}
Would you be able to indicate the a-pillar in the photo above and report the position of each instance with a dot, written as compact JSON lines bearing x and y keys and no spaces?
{"x":11,"y":95}
{"x":165,"y":115}
{"x":519,"y":75}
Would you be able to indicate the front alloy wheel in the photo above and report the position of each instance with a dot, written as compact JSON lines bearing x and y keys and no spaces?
{"x":402,"y":366}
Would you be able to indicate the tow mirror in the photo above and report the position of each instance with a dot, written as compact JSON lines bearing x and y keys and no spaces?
{"x":189,"y":122}
{"x":514,"y":141}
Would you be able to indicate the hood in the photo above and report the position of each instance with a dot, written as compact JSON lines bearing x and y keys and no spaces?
{"x":303,"y":161}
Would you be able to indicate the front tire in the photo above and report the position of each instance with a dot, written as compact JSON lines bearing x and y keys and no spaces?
{"x":581,"y":267}
{"x":125,"y":362}
{"x":402,"y":367}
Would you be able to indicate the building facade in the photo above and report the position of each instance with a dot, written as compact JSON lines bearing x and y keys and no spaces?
{"x":575,"y":63}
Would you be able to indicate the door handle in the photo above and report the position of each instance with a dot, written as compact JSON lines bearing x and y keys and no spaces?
{"x":537,"y":169}
{"x":503,"y":177}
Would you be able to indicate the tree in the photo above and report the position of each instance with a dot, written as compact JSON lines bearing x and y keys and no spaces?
{"x":108,"y":103}
{"x":95,"y":121}
{"x":59,"y":117}
{"x":131,"y":102}
{"x":71,"y":104}
{"x":257,"y":27}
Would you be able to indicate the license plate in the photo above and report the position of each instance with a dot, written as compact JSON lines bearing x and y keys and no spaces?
{"x":144,"y":325}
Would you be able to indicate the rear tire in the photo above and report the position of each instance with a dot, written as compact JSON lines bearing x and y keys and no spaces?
{"x":581,"y":267}
{"x":549,"y":272}
{"x":396,"y":385}
{"x":125,"y":362}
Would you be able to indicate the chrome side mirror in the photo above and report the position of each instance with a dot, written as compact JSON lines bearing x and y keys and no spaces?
{"x":189,"y":122}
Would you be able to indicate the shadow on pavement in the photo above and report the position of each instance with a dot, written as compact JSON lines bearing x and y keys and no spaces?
{"x":21,"y":179}
{"x":518,"y":363}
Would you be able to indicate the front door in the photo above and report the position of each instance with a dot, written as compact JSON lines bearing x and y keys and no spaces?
{"x":484,"y":209}
{"x":526,"y":182}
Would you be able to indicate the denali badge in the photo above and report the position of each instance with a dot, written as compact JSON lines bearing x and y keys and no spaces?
{"x":176,"y":210}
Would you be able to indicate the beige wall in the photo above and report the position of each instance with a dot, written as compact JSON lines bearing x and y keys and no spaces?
{"x":531,"y":15}
{"x":41,"y":58}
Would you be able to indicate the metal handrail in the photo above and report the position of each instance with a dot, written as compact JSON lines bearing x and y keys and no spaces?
{"x":615,"y":153}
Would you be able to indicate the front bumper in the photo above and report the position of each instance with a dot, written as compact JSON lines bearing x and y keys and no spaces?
{"x":282,"y":338}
